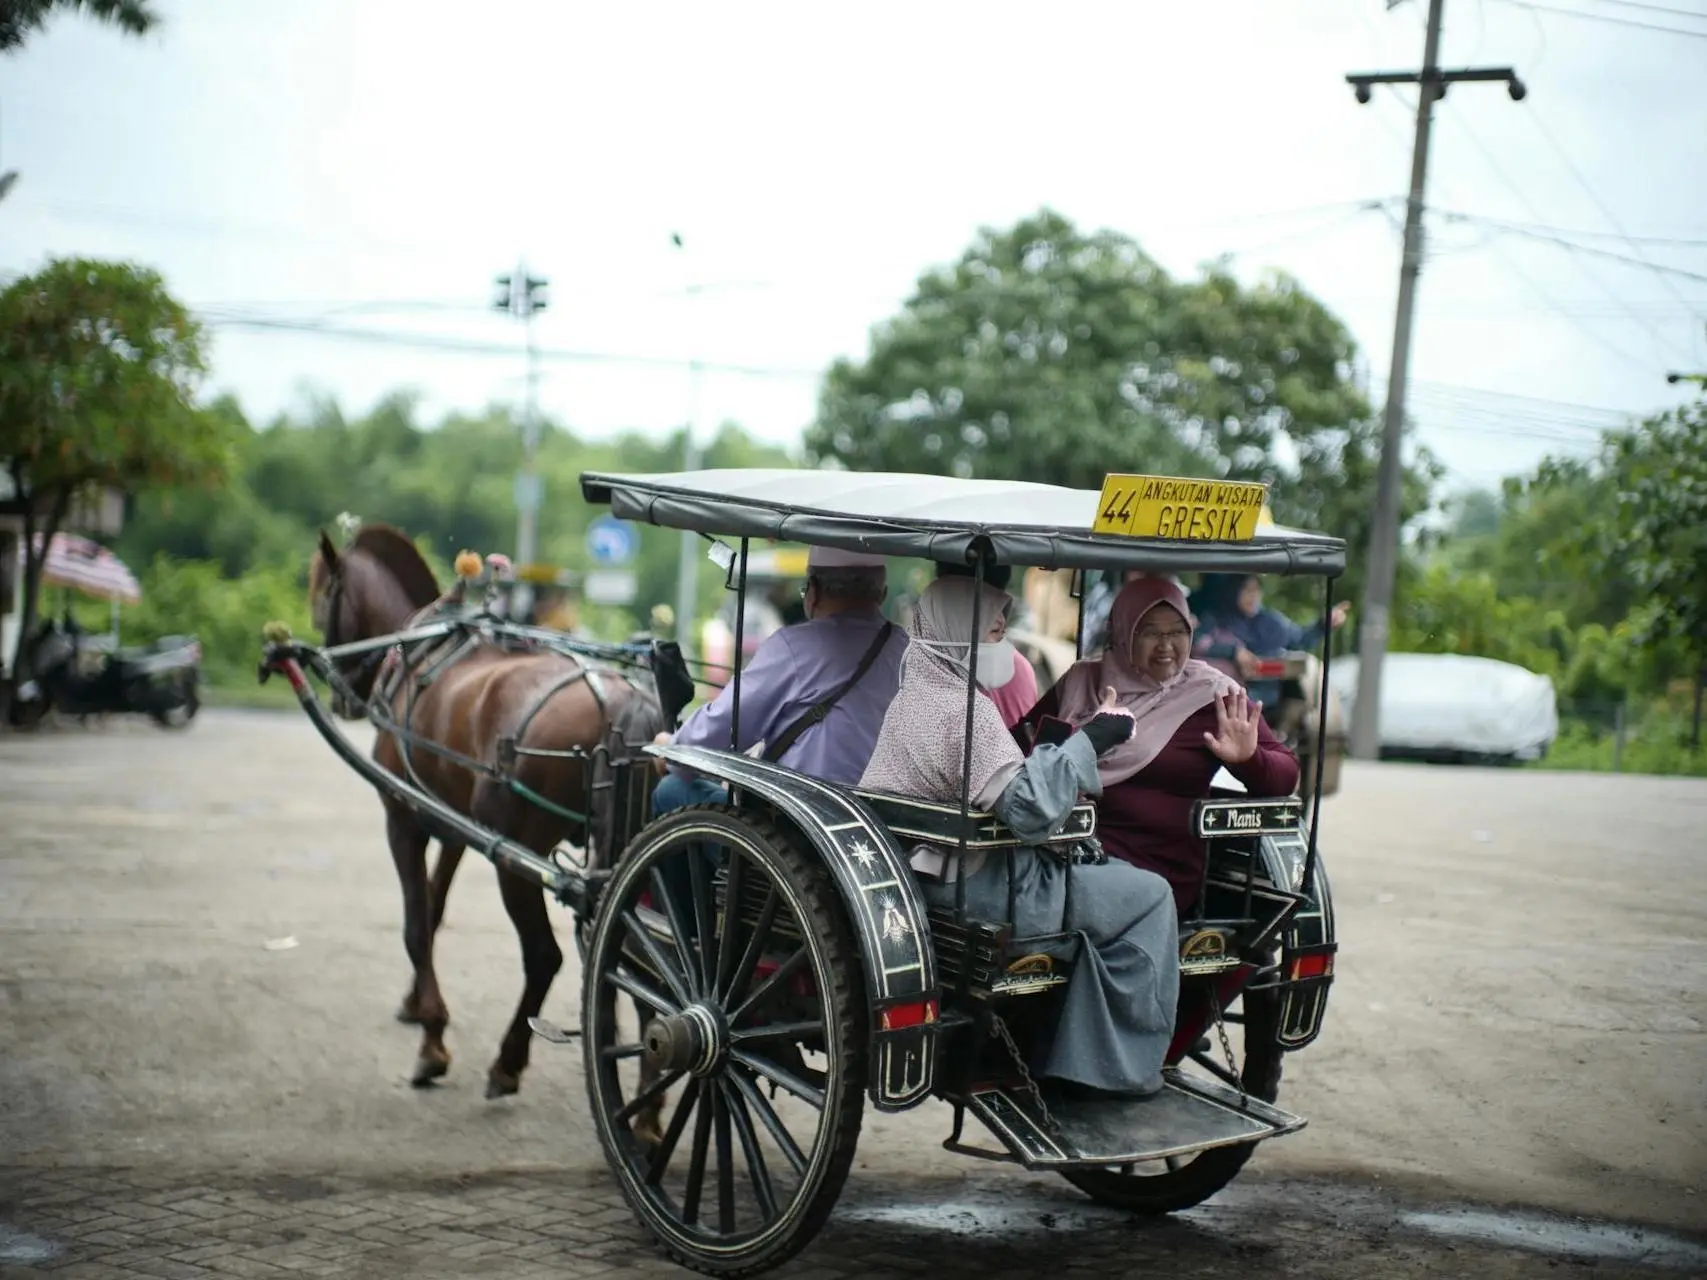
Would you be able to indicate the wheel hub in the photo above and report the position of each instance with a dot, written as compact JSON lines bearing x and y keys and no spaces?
{"x":693,"y":1040}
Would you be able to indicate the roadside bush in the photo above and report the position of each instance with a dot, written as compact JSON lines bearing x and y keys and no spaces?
{"x":226,"y":614}
{"x":1656,"y":741}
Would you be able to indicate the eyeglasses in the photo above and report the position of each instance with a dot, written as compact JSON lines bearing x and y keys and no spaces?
{"x":1155,"y":637}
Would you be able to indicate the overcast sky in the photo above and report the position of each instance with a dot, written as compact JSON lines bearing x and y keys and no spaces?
{"x":373,"y":163}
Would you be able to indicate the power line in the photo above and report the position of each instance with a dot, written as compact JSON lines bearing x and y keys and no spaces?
{"x":1310,"y":233}
{"x":1564,"y":424}
{"x":1523,"y":197}
{"x":1657,"y":8}
{"x":470,"y":346}
{"x":1483,"y":429}
{"x":1664,"y":276}
{"x":1659,"y":269}
{"x":1550,"y":303}
{"x":1606,"y":18}
{"x":1681,"y":242}
{"x":1520,"y":405}
{"x":1659,"y":309}
{"x":1491,"y":423}
{"x":1517,"y":410}
{"x":1458,"y":388}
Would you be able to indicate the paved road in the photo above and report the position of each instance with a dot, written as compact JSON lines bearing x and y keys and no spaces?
{"x":1511,"y":1081}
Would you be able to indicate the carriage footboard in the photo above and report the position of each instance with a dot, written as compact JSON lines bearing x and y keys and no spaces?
{"x":1187,"y":1116}
{"x":289,"y":659}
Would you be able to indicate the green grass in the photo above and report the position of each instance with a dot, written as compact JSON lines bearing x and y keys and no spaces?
{"x":1657,"y":743}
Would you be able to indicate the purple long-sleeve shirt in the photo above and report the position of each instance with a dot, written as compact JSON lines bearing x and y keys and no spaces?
{"x":792,"y":670}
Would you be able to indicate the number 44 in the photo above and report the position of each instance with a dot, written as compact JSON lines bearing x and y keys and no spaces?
{"x":1119,"y":509}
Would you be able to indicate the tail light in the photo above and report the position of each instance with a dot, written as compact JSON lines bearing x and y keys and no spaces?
{"x":901,"y":1016}
{"x":1318,"y":964}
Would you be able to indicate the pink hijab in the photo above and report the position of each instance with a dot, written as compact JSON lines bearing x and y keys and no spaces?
{"x":1159,"y":708}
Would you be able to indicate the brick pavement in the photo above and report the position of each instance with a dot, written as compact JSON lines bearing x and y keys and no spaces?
{"x":147,"y":1036}
{"x":131,"y":1224}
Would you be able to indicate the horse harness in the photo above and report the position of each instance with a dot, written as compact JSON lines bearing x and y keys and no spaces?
{"x":409,"y":669}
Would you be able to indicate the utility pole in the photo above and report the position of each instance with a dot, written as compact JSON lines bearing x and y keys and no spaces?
{"x":1432,"y":82}
{"x":687,"y":567}
{"x":522,"y":295}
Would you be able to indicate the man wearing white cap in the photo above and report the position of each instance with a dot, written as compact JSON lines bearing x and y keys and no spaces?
{"x":814,"y":694}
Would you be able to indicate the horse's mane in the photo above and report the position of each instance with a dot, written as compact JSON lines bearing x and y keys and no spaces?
{"x":393,"y":550}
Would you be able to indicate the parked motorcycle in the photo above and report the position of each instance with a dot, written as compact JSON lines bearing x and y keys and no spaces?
{"x":76,"y":677}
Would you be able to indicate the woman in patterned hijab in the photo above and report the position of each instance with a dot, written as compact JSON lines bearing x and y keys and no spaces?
{"x":1118,"y":1017}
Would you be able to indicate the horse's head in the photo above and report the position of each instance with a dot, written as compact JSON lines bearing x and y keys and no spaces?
{"x":370,"y":588}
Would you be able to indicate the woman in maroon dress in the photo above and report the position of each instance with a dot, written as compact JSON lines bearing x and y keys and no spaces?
{"x":1192,"y":721}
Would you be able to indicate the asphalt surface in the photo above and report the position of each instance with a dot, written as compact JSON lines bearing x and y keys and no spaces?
{"x":200,"y":956}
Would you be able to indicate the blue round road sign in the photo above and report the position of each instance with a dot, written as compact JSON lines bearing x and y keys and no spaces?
{"x":611,"y":541}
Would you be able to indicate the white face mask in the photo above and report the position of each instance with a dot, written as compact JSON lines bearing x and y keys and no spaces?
{"x":995,"y":659}
{"x":996,"y":663}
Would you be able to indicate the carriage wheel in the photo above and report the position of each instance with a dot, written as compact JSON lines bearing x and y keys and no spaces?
{"x":1156,"y":1186}
{"x":756,"y":1139}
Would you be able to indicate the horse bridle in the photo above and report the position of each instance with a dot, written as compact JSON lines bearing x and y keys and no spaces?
{"x":367,"y":664}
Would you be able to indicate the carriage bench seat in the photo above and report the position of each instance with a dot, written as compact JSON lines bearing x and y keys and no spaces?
{"x":913,"y":821}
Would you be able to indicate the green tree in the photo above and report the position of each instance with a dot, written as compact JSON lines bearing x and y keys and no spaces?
{"x":1554,"y":538}
{"x":1446,"y":610}
{"x":1052,"y":354}
{"x":1660,"y":473}
{"x":450,"y":485}
{"x":99,"y":366}
{"x":19,"y":19}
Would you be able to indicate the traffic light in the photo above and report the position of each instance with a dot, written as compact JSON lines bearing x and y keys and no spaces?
{"x":521,"y":302}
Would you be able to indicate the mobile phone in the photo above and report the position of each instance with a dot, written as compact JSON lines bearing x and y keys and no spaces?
{"x":1052,"y":731}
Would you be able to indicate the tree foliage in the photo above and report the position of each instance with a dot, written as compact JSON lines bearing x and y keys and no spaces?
{"x":448,"y":484}
{"x":19,"y":19}
{"x":1659,"y":470}
{"x":1048,"y":353}
{"x":99,"y":368}
{"x":1551,"y":536}
{"x":1592,"y":570}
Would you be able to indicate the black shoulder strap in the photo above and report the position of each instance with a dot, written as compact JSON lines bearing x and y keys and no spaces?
{"x":815,"y":714}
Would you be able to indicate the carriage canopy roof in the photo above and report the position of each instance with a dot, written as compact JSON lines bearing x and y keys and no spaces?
{"x":939,"y":518}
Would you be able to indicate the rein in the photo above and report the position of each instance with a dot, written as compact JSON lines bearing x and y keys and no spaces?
{"x":406,"y":667}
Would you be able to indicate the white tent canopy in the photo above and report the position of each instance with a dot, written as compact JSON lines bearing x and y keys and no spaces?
{"x":938,"y":518}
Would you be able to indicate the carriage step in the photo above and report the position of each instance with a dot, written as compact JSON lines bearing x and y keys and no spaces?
{"x":551,"y":1033}
{"x":1187,"y":1116}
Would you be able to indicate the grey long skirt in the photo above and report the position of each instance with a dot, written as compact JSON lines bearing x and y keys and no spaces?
{"x":1118,"y":1017}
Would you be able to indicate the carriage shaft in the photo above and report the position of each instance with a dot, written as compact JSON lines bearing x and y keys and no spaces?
{"x":565,"y":884}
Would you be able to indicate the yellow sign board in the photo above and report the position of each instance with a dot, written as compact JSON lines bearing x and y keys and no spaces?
{"x":541,"y":574}
{"x":790,"y":562}
{"x":1180,"y":510}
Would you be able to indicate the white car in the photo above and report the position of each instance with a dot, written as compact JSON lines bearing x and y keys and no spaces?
{"x":1451,"y":708}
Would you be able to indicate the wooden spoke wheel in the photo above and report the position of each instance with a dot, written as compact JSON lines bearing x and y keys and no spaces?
{"x":730,"y":1118}
{"x":1158,"y":1186}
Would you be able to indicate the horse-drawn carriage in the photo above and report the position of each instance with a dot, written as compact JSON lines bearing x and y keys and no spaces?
{"x":754,"y":974}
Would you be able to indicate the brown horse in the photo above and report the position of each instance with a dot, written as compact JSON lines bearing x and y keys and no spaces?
{"x":468,"y":697}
